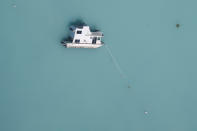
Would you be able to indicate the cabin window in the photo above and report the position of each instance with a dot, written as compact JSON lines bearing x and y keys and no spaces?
{"x":77,"y":41}
{"x":79,"y":32}
{"x":99,"y":38}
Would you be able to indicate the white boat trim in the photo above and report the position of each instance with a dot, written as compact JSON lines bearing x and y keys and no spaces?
{"x":82,"y":45}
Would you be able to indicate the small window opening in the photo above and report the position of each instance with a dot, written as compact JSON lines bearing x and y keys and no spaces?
{"x":79,"y":32}
{"x":77,"y":41}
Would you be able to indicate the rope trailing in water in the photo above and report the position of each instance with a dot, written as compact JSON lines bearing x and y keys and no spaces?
{"x":119,"y":69}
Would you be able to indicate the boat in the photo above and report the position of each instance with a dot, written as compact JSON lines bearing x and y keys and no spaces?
{"x":83,"y":37}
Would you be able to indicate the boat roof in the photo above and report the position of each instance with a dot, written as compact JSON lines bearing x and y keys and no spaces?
{"x":77,"y":26}
{"x":93,"y":33}
{"x":96,"y":33}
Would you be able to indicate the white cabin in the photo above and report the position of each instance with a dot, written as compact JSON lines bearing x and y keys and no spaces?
{"x":82,"y":37}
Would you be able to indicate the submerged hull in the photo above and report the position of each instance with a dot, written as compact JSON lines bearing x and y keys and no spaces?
{"x":76,"y":45}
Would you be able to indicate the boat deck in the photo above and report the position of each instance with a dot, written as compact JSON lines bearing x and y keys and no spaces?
{"x":81,"y":45}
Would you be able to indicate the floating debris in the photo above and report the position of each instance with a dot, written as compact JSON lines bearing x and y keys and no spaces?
{"x":177,"y":25}
{"x":146,"y":112}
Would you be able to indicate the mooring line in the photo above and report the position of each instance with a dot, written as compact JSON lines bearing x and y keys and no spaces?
{"x":115,"y":62}
{"x":117,"y":65}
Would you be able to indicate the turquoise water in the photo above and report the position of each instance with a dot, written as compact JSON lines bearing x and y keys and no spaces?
{"x":46,"y":87}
